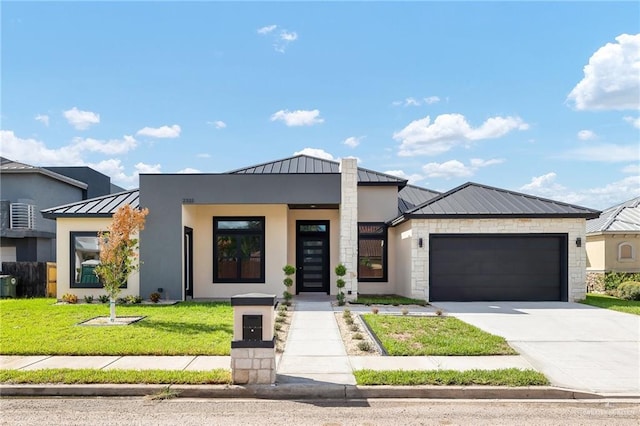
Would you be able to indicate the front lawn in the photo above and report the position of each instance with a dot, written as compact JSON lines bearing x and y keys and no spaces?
{"x":387,"y":299}
{"x":39,"y":327}
{"x":70,"y":376}
{"x":505,"y":377}
{"x":613,"y":303}
{"x":421,"y":336}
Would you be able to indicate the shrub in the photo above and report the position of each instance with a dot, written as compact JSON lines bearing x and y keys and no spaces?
{"x":70,"y":298}
{"x":346,"y":313}
{"x":358,"y":336}
{"x":364,"y":346}
{"x":354,"y":327}
{"x":280,"y":319}
{"x":134,"y":300}
{"x":629,"y":290}
{"x":340,"y":271}
{"x":278,"y":326}
{"x":154,"y":297}
{"x":405,"y":311}
{"x":612,"y":280}
{"x":88,"y":299}
{"x":282,"y":313}
{"x":439,"y":312}
{"x":348,"y":320}
{"x":103,"y":298}
{"x":288,"y":282}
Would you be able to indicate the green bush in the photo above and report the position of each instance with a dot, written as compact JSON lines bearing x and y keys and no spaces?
{"x":612,"y":280}
{"x":88,"y":299}
{"x":103,"y":298}
{"x":629,"y":290}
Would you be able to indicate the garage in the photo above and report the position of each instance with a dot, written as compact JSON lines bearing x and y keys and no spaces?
{"x":500,"y":267}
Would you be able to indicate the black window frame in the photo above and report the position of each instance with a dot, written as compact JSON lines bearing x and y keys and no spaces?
{"x":239,"y":232}
{"x":72,"y":261}
{"x":385,"y":249}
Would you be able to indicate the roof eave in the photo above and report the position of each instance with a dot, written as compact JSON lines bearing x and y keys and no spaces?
{"x":54,"y":216}
{"x":499,"y":216}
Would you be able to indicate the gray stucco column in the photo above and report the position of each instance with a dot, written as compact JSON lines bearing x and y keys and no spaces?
{"x":349,"y":224}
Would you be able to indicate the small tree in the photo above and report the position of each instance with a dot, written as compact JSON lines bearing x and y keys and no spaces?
{"x":288,"y":282}
{"x":341,"y":271}
{"x":118,"y":252}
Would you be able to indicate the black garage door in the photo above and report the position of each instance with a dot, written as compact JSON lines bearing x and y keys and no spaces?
{"x":498,"y":267}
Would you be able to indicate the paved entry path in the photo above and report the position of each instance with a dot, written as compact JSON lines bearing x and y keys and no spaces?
{"x":314,"y":351}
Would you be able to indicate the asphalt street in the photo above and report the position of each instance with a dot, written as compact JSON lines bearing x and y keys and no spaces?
{"x":185,"y":412}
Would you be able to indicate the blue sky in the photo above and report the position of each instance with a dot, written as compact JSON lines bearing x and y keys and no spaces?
{"x":537,"y":97}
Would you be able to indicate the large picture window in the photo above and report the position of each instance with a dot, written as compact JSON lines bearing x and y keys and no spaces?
{"x":372,"y":252}
{"x":238,"y":249}
{"x":84,"y":257}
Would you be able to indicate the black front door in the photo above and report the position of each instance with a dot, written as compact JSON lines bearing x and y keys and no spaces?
{"x":312,"y":256}
{"x":188,"y":262}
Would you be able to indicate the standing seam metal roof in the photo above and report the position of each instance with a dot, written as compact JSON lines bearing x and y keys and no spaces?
{"x":412,"y":196}
{"x":307,"y":164}
{"x":624,"y":217}
{"x":475,"y":199}
{"x":104,"y":206}
{"x":10,"y":166}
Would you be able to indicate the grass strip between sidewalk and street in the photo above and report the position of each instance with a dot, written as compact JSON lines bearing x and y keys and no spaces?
{"x":42,"y":327}
{"x":505,"y":377}
{"x":387,"y":299}
{"x":69,"y":376}
{"x":613,"y":303}
{"x":434,"y":335}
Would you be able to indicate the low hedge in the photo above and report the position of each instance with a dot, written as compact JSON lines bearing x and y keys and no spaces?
{"x":613,"y":280}
{"x":629,"y":290}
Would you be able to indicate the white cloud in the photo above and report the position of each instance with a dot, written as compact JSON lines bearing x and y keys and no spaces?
{"x":412,"y":178}
{"x":116,"y":170}
{"x":281,"y":39}
{"x":35,"y":152}
{"x":298,"y":118}
{"x":598,"y":197}
{"x":288,"y":36}
{"x":635,"y":122}
{"x":81,"y":120}
{"x":411,"y":101}
{"x":161,"y":132}
{"x":611,"y":77}
{"x":189,"y":170}
{"x":316,"y":152}
{"x":607,"y":153}
{"x":455,"y":168}
{"x":353,"y":141}
{"x":585,"y":135}
{"x":203,"y":155}
{"x":267,"y":29}
{"x":147,"y":168}
{"x":422,"y":137}
{"x":43,"y":118}
{"x":109,"y":147}
{"x":632,"y":169}
{"x":218,"y":124}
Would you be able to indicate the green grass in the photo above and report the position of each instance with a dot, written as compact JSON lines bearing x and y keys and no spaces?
{"x":387,"y":299}
{"x":613,"y":303}
{"x":39,"y":327}
{"x":70,"y":376}
{"x":504,"y":377}
{"x":420,"y":336}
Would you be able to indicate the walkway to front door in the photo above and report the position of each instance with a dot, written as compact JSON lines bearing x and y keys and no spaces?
{"x":314,"y":350}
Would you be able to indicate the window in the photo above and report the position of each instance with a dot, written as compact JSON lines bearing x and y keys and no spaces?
{"x":238,"y":249}
{"x":84,"y":257}
{"x":625,"y":252}
{"x":372,"y":252}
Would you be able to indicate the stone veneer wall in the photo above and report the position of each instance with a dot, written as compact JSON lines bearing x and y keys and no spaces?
{"x":253,"y":366}
{"x":575,"y":228}
{"x":349,"y":223}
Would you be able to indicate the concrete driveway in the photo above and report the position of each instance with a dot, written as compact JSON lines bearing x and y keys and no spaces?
{"x":574,"y":345}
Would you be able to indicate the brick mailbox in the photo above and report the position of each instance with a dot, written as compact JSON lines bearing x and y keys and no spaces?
{"x":253,"y":349}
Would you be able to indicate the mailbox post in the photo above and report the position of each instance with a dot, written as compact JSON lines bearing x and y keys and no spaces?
{"x":253,"y":349}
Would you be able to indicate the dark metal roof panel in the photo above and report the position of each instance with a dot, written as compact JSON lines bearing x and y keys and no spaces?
{"x":411,"y":196}
{"x":475,"y":199}
{"x":10,"y":166}
{"x":100,"y":206}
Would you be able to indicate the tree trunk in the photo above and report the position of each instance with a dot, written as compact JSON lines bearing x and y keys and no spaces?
{"x":112,"y":309}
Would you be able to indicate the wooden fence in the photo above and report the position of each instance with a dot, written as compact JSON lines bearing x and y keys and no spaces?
{"x":34,"y":278}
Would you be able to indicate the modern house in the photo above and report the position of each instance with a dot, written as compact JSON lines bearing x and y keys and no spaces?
{"x":613,"y":239}
{"x":218,"y":235}
{"x":26,"y":236}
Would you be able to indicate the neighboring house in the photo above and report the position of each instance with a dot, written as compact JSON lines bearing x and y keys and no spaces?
{"x":613,"y":239}
{"x":218,"y":235}
{"x":26,"y":236}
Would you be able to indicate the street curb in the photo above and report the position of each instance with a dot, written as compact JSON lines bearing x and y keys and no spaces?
{"x":303,"y":391}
